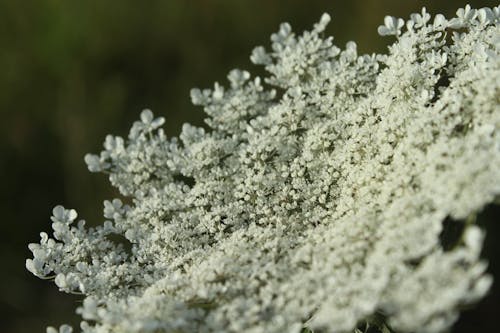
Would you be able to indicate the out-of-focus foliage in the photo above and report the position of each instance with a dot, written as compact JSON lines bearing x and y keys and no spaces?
{"x":72,"y":71}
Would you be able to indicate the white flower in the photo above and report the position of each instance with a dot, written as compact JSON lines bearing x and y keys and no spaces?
{"x":464,"y":17}
{"x":113,"y":209}
{"x":60,"y":214}
{"x":147,"y":124}
{"x":62,"y":329}
{"x":238,"y":77}
{"x":466,"y":14}
{"x":95,"y":163}
{"x":421,"y":19}
{"x":486,"y":16}
{"x":392,"y":26}
{"x":260,"y":57}
{"x":440,"y":22}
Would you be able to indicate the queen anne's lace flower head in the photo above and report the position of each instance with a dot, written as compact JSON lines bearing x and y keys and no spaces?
{"x":316,"y":198}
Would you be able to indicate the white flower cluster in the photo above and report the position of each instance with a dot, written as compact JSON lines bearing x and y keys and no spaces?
{"x":315,"y":204}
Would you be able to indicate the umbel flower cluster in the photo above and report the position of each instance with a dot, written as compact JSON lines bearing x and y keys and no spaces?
{"x":317,"y":199}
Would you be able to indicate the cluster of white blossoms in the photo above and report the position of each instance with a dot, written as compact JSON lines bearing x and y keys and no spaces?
{"x":317,"y":200}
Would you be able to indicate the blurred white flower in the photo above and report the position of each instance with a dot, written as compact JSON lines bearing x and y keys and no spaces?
{"x":392,"y":26}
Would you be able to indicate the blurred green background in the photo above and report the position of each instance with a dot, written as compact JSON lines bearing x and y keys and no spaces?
{"x":73,"y":71}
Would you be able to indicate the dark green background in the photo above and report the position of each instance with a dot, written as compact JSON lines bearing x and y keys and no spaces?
{"x":73,"y":71}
